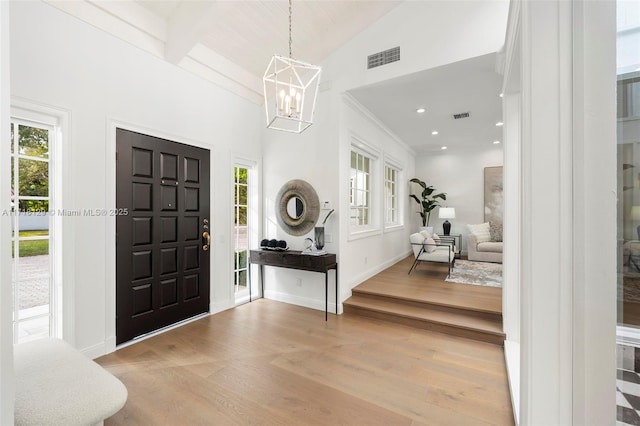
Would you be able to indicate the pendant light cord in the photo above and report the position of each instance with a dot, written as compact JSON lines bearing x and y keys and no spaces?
{"x":290,"y":28}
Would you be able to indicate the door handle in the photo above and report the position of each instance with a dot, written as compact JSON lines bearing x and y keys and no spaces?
{"x":206,"y":241}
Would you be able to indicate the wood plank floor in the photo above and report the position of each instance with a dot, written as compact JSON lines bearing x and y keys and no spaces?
{"x":426,"y":283}
{"x":270,"y":363}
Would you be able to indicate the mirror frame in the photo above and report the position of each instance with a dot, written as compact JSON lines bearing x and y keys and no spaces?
{"x":310,"y":202}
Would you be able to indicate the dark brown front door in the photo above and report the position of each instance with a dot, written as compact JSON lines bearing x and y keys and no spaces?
{"x":162,"y":227}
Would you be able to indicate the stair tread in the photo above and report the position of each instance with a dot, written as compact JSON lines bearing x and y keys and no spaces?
{"x":444,"y":296}
{"x":455,"y":319}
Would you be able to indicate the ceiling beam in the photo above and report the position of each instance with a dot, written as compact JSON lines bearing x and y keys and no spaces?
{"x":184,"y":28}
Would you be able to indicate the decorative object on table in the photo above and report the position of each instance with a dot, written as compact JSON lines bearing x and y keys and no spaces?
{"x":427,"y":201}
{"x":319,"y":232}
{"x":290,"y":91}
{"x":273,"y":244}
{"x":493,"y":194}
{"x":476,"y":273}
{"x":310,"y":248}
{"x":297,"y":207}
{"x":446,"y":213}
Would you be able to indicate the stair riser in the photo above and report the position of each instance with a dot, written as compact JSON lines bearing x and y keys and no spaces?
{"x":426,"y":305}
{"x":478,"y":335}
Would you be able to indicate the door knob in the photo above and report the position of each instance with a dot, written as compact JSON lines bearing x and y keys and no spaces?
{"x":206,"y":241}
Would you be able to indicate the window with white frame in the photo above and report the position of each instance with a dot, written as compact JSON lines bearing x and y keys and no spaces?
{"x":361,"y":190}
{"x":31,"y":231}
{"x":240,"y":227}
{"x":391,"y":206}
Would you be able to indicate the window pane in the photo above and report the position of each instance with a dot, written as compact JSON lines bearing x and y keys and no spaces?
{"x":33,"y":206}
{"x":12,"y":141}
{"x":242,"y":195}
{"x":33,"y":141}
{"x":34,"y":178}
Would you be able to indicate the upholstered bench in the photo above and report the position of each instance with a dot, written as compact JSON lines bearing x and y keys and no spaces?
{"x":58,"y":385}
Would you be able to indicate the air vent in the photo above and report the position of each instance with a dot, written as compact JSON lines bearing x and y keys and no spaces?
{"x":461,"y":115}
{"x":383,"y":58}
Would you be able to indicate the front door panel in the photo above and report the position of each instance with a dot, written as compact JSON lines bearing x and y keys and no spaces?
{"x":162,"y":254}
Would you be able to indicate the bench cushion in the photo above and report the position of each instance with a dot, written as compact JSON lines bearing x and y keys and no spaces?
{"x":58,"y":385}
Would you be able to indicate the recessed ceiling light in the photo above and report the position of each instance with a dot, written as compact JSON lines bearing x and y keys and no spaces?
{"x":444,"y":147}
{"x":420,"y":110}
{"x":501,"y":94}
{"x":496,"y":142}
{"x":435,"y":132}
{"x":499,"y":123}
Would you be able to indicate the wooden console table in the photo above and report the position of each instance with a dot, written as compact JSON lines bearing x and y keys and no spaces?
{"x":296,"y":260}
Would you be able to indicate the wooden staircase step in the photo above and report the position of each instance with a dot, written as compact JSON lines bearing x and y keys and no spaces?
{"x":449,"y":321}
{"x":447,"y":306}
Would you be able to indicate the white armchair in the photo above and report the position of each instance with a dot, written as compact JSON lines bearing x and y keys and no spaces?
{"x":427,"y":251}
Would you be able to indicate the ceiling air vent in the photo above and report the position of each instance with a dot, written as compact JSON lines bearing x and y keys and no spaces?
{"x":461,"y":115}
{"x":383,"y":58}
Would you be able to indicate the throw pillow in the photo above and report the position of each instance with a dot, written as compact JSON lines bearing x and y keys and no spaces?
{"x":495,"y":229}
{"x":481,"y":231}
{"x":426,"y":234}
{"x":436,"y":238}
{"x":429,"y":245}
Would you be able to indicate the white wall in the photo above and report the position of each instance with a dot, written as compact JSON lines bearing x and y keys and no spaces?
{"x":461,"y":175}
{"x":100,"y":80}
{"x":310,"y":156}
{"x":321,"y":154}
{"x":6,"y":329}
{"x":429,"y":33}
{"x":363,"y":257}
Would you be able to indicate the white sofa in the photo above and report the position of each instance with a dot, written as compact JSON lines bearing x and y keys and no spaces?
{"x":490,"y":251}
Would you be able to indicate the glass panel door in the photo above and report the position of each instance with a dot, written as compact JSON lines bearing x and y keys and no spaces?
{"x":240,"y":228}
{"x":31,"y":219}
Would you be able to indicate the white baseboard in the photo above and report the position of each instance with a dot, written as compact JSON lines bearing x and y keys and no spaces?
{"x":302,"y":301}
{"x":373,"y":271}
{"x":97,"y":350}
{"x":512,"y":358}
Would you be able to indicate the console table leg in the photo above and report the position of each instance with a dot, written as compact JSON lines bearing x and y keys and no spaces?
{"x":326,"y":295}
{"x":336,"y":289}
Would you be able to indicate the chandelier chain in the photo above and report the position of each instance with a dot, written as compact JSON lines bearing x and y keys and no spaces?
{"x":290,"y":28}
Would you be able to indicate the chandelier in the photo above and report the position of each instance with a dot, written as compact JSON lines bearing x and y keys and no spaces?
{"x":290,"y":91}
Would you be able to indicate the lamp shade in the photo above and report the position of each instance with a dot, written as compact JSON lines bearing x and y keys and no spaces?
{"x":290,"y":92}
{"x":447,"y":213}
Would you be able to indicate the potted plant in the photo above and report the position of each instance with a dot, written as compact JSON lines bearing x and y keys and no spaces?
{"x":427,"y":201}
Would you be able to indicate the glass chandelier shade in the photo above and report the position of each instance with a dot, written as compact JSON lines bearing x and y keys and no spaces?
{"x":290,"y":92}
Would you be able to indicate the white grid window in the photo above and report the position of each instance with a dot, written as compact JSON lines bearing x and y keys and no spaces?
{"x":240,"y":227}
{"x":391,"y":195}
{"x":30,"y":234}
{"x":360,"y":189}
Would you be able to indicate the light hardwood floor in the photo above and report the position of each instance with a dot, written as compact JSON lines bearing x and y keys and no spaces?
{"x":270,"y":363}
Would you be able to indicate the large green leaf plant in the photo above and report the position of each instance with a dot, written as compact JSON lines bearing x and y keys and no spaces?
{"x":427,"y":201}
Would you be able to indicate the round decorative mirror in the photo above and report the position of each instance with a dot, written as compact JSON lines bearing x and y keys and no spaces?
{"x":297,"y":207}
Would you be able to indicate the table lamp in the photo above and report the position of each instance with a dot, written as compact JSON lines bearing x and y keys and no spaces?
{"x":450,"y":213}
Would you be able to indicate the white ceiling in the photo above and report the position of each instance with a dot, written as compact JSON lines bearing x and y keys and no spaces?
{"x":248,"y":33}
{"x":231,"y":43}
{"x":466,"y":86}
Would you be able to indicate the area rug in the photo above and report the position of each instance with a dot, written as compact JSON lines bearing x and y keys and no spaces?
{"x":476,"y":273}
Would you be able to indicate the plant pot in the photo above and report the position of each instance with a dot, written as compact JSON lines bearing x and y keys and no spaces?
{"x":429,"y":229}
